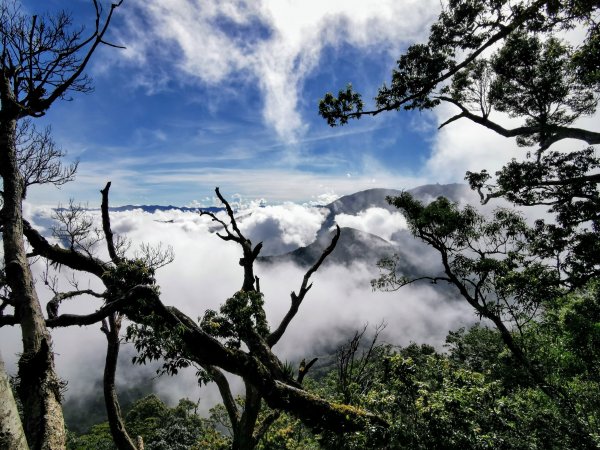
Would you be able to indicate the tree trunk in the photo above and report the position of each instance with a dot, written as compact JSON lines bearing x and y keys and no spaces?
{"x":11,"y":430}
{"x":39,"y":387}
{"x":243,"y":436}
{"x":113,"y":410}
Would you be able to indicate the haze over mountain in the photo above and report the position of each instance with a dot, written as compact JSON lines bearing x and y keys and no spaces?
{"x":359,"y":245}
{"x":206,"y":272}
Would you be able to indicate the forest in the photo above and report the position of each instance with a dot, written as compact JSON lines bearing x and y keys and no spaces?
{"x":527,"y":376}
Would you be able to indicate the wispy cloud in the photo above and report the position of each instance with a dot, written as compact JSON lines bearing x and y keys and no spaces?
{"x":378,"y":221}
{"x":275,"y":43}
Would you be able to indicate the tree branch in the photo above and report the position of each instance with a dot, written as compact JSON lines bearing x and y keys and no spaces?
{"x":65,"y":320}
{"x":504,"y":32}
{"x":97,"y":38}
{"x":58,"y":255}
{"x":304,"y":368}
{"x":205,"y":350}
{"x":297,"y":299}
{"x":226,"y":395}
{"x":9,"y":320}
{"x":106,"y":225}
{"x":558,"y":132}
{"x":53,"y":304}
{"x":249,"y":254}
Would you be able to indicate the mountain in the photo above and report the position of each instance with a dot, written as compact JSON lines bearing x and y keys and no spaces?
{"x":359,"y":246}
{"x":153,"y":208}
{"x":353,"y":246}
{"x":352,"y":242}
{"x":371,"y":198}
{"x":376,"y":198}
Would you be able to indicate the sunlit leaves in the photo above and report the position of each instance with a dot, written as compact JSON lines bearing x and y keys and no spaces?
{"x":240,"y":316}
{"x":337,"y":109}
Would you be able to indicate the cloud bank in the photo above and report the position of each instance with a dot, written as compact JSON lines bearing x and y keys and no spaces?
{"x":206,"y":272}
{"x":377,"y":221}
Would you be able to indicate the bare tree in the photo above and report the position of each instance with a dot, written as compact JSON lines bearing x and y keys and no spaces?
{"x":354,"y":359}
{"x":42,"y":59}
{"x":76,"y":229}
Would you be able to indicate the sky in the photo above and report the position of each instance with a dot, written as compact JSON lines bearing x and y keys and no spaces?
{"x":225,"y":93}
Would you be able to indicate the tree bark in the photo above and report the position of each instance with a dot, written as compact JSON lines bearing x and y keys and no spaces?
{"x":39,"y":386}
{"x":12,"y":435}
{"x":243,"y":437}
{"x":111,"y":400}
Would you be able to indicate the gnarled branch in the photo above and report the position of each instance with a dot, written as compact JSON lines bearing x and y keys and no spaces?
{"x":304,"y":288}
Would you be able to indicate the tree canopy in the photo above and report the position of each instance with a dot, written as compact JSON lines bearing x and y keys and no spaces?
{"x":486,"y":58}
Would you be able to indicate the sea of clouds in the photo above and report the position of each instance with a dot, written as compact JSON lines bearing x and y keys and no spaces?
{"x":205,"y":272}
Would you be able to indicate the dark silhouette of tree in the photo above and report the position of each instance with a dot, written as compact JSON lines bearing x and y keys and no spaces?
{"x":42,"y":60}
{"x":506,"y":270}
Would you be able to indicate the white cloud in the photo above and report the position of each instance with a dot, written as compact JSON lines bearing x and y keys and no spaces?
{"x":138,"y":185}
{"x":282,"y":228}
{"x":341,"y":301}
{"x":323,"y":199}
{"x":464,"y":145}
{"x":377,"y":221}
{"x":206,"y":272}
{"x":199,"y":39}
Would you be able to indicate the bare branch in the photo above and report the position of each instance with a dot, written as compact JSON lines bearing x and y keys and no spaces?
{"x":66,"y":320}
{"x":304,"y":288}
{"x":9,"y":320}
{"x":54,"y":303}
{"x":76,"y":228}
{"x":96,"y":39}
{"x":58,"y":255}
{"x":249,"y":254}
{"x":304,"y":368}
{"x":39,"y":158}
{"x":156,"y":256}
{"x":226,"y":395}
{"x":108,"y":234}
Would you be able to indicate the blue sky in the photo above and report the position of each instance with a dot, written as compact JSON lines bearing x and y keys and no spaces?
{"x":225,"y":93}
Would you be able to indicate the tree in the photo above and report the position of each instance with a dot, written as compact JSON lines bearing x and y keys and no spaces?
{"x":11,"y":429}
{"x":42,"y":60}
{"x":533,"y":75}
{"x":165,"y":332}
{"x":241,"y":320}
{"x":512,"y":274}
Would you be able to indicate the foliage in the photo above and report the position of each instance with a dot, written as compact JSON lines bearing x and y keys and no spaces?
{"x":240,"y":316}
{"x":532,"y":74}
{"x":531,"y":69}
{"x":126,"y":275}
{"x":288,"y":433}
{"x":98,"y":437}
{"x":535,"y":284}
{"x":161,"y":428}
{"x":434,"y":400}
